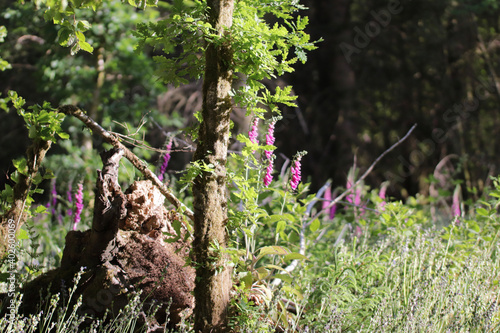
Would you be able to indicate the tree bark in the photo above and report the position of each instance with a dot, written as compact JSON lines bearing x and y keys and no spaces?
{"x":16,"y":214}
{"x":213,"y":276}
{"x":109,"y":208}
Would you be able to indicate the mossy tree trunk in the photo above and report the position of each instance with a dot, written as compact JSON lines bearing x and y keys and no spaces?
{"x":213,"y":276}
{"x":15,"y":217}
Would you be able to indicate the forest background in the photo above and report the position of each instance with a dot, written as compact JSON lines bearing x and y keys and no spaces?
{"x":432,"y":63}
{"x":381,"y":67}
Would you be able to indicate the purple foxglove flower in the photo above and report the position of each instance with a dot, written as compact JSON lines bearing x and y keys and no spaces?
{"x":166,"y":159}
{"x":359,"y":232}
{"x":357,"y":198}
{"x":53,"y":201}
{"x":268,"y":178}
{"x":294,"y":182}
{"x":328,"y":198}
{"x":254,"y":131}
{"x":381,"y":195}
{"x":349,"y":196}
{"x":69,"y":196}
{"x":333,"y":209}
{"x":79,"y":205}
{"x":270,"y":139}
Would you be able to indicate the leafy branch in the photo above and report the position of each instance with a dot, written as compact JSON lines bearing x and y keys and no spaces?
{"x":43,"y":124}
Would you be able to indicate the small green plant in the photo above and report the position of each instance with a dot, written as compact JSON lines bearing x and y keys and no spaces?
{"x":44,"y":126}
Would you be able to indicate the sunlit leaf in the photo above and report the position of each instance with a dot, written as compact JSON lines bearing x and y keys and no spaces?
{"x":273,"y":250}
{"x":315,"y":225}
{"x":294,"y":256}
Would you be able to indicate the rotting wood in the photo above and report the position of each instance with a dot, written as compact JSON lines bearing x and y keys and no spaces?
{"x":129,"y":155}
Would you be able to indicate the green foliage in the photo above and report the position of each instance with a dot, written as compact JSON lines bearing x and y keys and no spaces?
{"x":64,"y":13}
{"x":195,"y":169}
{"x":3,"y":64}
{"x":259,"y":51}
{"x":401,"y":274}
{"x":181,"y":37}
{"x":185,"y":30}
{"x":43,"y":122}
{"x":116,"y":84}
{"x":67,"y":14}
{"x":270,"y":58}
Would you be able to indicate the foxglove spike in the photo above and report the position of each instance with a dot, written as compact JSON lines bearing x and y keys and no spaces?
{"x":79,"y":205}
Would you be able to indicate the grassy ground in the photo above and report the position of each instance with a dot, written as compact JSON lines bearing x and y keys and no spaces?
{"x":384,"y":270}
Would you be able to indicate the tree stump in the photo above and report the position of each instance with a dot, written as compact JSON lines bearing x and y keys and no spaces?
{"x":124,"y":252}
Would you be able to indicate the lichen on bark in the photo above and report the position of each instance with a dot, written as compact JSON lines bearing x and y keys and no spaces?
{"x":213,"y":275}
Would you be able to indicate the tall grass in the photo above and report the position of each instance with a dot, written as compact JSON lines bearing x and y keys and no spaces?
{"x":416,"y":286}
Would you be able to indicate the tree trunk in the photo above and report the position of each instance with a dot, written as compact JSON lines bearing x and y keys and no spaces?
{"x":213,"y":276}
{"x":15,"y":217}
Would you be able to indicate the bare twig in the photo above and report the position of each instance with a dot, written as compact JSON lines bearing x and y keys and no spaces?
{"x":136,"y":162}
{"x":368,"y":171}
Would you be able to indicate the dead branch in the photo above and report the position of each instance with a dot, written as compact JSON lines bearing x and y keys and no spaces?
{"x":136,"y":162}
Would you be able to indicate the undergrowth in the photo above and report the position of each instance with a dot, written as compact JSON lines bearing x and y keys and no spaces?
{"x":398,"y":275}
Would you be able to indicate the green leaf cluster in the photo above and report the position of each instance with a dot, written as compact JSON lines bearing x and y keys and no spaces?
{"x":181,"y":37}
{"x":263,"y":51}
{"x":43,"y":122}
{"x":260,"y":50}
{"x":3,"y":64}
{"x":64,"y":13}
{"x":195,"y":169}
